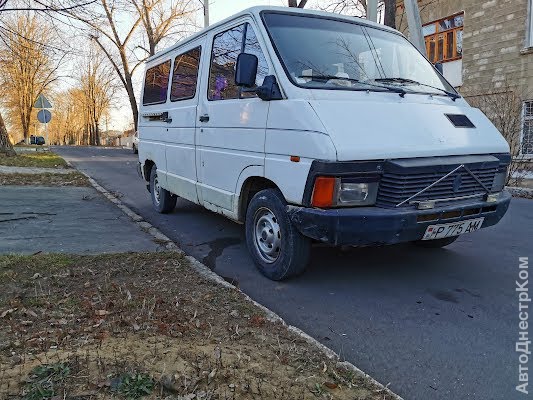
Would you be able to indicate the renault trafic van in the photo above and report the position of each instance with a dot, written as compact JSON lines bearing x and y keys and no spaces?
{"x":309,"y":126}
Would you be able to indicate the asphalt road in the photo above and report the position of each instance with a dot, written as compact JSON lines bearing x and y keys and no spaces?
{"x":435,"y":324}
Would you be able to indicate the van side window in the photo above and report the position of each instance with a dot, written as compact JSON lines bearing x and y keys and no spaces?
{"x":185,"y":75}
{"x":156,"y":84}
{"x":226,"y":48}
{"x":252,"y":46}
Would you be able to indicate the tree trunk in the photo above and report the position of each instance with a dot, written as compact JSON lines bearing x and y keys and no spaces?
{"x":390,"y":13}
{"x":5,"y":144}
{"x":294,"y":3}
{"x":133,"y":100}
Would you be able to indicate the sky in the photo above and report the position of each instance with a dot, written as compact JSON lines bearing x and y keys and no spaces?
{"x":220,"y":9}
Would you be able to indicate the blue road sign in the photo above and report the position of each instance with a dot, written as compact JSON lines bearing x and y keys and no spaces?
{"x":44,"y":116}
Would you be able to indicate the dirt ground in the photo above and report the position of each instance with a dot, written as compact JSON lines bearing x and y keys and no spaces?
{"x":134,"y":325}
{"x":47,"y":179}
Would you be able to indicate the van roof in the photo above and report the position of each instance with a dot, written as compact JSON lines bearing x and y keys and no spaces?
{"x":256,"y":11}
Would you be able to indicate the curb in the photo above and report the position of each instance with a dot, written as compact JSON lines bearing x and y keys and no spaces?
{"x":206,"y":273}
{"x":520,"y":192}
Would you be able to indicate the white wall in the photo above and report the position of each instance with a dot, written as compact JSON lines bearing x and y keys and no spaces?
{"x":453,"y":71}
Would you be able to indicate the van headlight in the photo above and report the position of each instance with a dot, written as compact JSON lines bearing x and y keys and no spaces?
{"x":344,"y":192}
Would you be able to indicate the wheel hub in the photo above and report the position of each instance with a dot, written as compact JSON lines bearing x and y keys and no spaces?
{"x":267,"y":235}
{"x":157,"y":190}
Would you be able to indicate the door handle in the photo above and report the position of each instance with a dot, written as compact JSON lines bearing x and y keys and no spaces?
{"x":164,"y":117}
{"x":204,"y":118}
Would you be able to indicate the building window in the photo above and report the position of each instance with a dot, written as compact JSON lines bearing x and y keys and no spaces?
{"x":527,"y":131}
{"x":444,"y":38}
{"x":156,"y":84}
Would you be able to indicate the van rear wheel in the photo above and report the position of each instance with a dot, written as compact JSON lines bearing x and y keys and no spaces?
{"x":277,"y":248}
{"x":162,"y":200}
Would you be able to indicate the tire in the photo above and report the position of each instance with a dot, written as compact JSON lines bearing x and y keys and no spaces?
{"x":435,"y":244}
{"x":277,"y":248}
{"x":162,"y":200}
{"x":135,"y":150}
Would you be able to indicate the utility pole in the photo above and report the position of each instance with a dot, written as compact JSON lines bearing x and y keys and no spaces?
{"x":415,"y":25}
{"x":206,"y":13}
{"x":372,"y":10}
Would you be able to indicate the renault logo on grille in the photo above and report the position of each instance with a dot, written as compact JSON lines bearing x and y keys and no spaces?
{"x":457,"y":183}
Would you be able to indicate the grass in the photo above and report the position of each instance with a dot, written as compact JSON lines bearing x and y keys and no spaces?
{"x":43,"y":381}
{"x":35,"y":160}
{"x":135,"y":385}
{"x":47,"y":179}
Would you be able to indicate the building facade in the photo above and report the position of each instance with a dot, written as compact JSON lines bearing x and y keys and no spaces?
{"x":486,"y":49}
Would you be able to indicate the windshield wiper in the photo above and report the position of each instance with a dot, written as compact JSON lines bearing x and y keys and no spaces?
{"x":398,"y":90}
{"x":453,"y":96}
{"x":329,"y":77}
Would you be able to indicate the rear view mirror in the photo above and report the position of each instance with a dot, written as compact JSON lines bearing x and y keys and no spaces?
{"x":246,"y":70}
{"x":439,"y":68}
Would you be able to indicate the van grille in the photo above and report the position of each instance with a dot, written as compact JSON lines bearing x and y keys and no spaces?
{"x":394,"y":188}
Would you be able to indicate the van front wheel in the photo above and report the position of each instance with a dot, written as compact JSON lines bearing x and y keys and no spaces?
{"x":162,"y":200}
{"x":278,"y":249}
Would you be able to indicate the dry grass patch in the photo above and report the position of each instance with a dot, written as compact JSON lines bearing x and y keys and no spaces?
{"x":147,"y":325}
{"x":38,"y":159}
{"x":47,"y":179}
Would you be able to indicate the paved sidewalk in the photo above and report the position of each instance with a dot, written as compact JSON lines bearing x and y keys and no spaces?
{"x":31,"y":170}
{"x":66,"y":220}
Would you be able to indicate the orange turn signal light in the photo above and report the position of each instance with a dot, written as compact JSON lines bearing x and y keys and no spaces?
{"x":323,"y":191}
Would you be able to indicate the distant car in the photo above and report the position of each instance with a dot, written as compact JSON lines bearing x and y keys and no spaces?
{"x":135,"y":145}
{"x":38,"y":140}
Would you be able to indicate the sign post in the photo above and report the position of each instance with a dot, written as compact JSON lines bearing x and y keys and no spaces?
{"x":44,"y":116}
{"x":415,"y":25}
{"x":372,"y":10}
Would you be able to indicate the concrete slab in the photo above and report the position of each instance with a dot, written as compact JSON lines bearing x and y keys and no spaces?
{"x":65,"y":220}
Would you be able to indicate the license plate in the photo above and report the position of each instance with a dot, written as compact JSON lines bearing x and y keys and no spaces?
{"x":454,"y":229}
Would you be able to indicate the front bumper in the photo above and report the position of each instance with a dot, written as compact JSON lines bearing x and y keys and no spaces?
{"x":378,"y":226}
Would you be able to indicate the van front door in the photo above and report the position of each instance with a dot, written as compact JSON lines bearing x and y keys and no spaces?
{"x":231,"y":126}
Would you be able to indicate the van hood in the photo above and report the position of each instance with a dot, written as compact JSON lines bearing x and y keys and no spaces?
{"x":369,"y":130}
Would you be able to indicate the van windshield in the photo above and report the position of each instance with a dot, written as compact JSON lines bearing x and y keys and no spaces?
{"x":320,"y":53}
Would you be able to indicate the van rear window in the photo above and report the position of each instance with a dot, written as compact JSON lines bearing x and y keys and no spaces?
{"x":156,"y":84}
{"x":185,"y":75}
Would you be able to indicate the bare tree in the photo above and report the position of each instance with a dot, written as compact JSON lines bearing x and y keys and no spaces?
{"x":350,"y":7}
{"x":7,"y":11}
{"x":120,"y":38}
{"x":389,"y":18}
{"x":504,"y":109}
{"x":5,"y":144}
{"x":27,"y":66}
{"x":97,"y":91}
{"x":297,"y":4}
{"x":360,"y":8}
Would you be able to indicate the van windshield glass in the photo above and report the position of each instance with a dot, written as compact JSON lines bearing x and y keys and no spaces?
{"x":320,"y":53}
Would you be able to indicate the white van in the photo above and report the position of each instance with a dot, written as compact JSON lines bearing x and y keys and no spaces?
{"x":310,"y":126}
